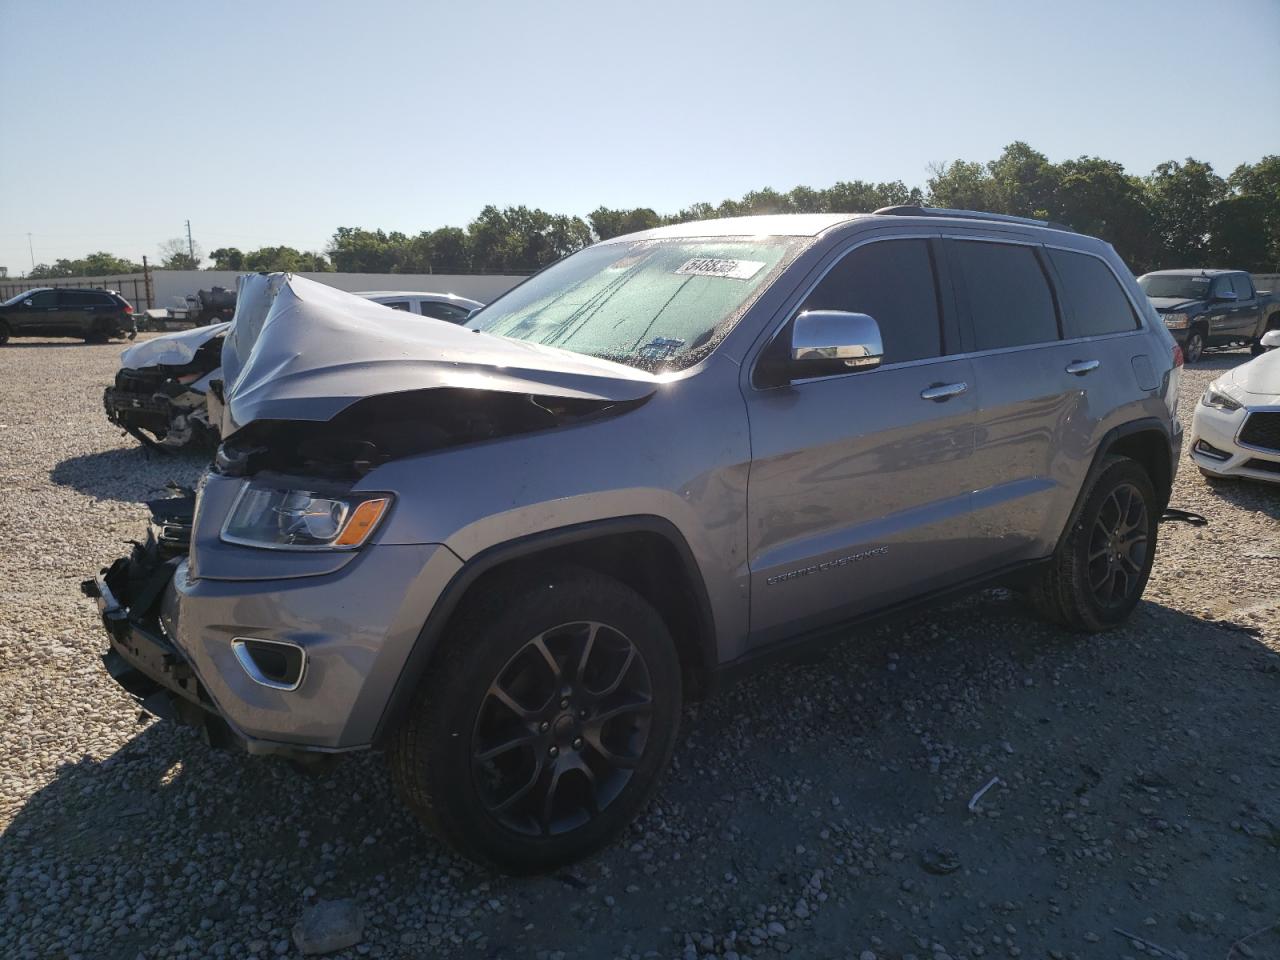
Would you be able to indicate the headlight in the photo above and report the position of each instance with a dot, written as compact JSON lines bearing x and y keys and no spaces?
{"x":1176,"y":321}
{"x":1217,"y":399}
{"x":303,"y":519}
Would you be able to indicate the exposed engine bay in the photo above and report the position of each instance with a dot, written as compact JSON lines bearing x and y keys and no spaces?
{"x":160,"y":398}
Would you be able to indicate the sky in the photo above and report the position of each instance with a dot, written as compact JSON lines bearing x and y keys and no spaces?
{"x":274,"y":122}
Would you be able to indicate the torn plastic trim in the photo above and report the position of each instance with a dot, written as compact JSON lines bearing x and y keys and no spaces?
{"x":385,"y":427}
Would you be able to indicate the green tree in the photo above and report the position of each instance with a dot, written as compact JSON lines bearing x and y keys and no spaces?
{"x":1182,"y":197}
{"x":606,"y":223}
{"x":1024,"y":183}
{"x":355,"y":250}
{"x":962,"y":185}
{"x":1097,"y":197}
{"x":227,"y":258}
{"x":100,"y":264}
{"x":1261,"y":182}
{"x":175,"y":255}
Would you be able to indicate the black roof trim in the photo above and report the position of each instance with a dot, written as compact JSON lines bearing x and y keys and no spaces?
{"x":911,"y":210}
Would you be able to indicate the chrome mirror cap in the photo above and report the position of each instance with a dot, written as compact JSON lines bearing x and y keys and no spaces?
{"x":827,"y":335}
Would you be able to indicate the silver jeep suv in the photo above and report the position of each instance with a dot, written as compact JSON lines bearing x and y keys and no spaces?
{"x":508,"y":552}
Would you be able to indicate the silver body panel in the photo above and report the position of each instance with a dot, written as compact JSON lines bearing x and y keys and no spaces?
{"x":801,"y":505}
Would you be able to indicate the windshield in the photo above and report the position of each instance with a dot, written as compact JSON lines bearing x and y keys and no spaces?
{"x":653,"y":304}
{"x":19,"y":297}
{"x":1178,"y":288}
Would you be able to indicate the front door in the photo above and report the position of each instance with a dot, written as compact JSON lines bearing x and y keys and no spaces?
{"x":859,"y":488}
{"x":38,"y":315}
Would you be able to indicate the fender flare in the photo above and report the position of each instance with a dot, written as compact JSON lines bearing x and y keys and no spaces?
{"x":428,"y":640}
{"x":1105,"y":445}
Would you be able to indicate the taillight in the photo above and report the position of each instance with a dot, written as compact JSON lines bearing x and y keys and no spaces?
{"x":128,"y":308}
{"x":1178,"y":359}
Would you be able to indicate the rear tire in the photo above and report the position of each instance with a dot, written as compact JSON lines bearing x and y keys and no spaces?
{"x":1097,"y":575}
{"x":544,"y":723}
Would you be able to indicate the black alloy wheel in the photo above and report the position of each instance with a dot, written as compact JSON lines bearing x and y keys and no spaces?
{"x":1118,"y":546}
{"x":562,"y":728}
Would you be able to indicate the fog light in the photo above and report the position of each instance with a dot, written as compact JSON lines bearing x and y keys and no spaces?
{"x":277,"y":664}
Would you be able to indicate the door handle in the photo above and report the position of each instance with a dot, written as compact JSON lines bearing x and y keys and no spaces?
{"x":941,"y":392}
{"x":1081,"y":367}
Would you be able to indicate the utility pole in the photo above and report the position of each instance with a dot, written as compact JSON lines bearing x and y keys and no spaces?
{"x":31,"y":250}
{"x":191,"y":247}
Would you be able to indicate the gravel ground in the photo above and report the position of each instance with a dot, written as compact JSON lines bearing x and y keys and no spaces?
{"x":819,"y":811}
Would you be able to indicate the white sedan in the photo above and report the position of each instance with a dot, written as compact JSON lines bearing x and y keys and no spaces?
{"x":442,"y":306}
{"x":1235,"y":431}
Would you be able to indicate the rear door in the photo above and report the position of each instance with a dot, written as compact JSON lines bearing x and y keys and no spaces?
{"x":1057,"y":353}
{"x":859,"y":487}
{"x":1247,"y":312}
{"x":80,"y":310}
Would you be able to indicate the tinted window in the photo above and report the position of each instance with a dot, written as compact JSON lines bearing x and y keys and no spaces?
{"x":444,"y":311}
{"x":1242,"y":286}
{"x":82,"y":298}
{"x":1009,"y":297}
{"x":1221,"y":287}
{"x":892,"y":281}
{"x":45,"y":298}
{"x":396,"y":304}
{"x":1095,"y":301}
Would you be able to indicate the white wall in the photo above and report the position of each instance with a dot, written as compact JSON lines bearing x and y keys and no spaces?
{"x":170,"y":288}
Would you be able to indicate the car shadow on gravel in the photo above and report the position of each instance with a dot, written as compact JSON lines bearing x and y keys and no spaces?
{"x":1134,"y":775}
{"x":1249,"y":495}
{"x":130,"y":474}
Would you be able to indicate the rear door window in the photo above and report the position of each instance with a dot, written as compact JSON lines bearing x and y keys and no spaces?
{"x":1242,"y":286}
{"x":893,"y":282}
{"x":78,"y":298}
{"x":1010,"y":302}
{"x":1095,"y":303}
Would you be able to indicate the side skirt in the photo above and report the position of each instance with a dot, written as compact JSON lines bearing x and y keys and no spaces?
{"x":806,"y":643}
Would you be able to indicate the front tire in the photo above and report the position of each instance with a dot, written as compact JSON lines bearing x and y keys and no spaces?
{"x":1100,"y":569}
{"x":1193,"y":349}
{"x":544,"y":723}
{"x":5,"y":333}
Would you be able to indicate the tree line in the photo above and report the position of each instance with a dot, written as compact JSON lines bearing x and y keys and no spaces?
{"x":1180,"y":215}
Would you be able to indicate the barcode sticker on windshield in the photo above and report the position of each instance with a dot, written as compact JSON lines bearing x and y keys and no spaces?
{"x":711,"y":267}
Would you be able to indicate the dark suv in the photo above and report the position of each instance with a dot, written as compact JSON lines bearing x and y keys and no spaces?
{"x":93,"y":315}
{"x":509,"y":551}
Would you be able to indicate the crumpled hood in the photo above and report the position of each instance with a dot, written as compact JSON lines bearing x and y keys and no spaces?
{"x":1260,"y":376}
{"x":316,"y":350}
{"x":1173,"y":303}
{"x":172,"y":349}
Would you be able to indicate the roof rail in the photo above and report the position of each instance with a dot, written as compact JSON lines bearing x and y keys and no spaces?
{"x":912,"y":210}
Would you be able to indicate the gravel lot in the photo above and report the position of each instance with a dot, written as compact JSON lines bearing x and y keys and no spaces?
{"x":813,"y":812}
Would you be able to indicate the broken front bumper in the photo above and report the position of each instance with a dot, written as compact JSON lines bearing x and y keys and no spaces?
{"x":258,"y":653}
{"x":141,"y":657}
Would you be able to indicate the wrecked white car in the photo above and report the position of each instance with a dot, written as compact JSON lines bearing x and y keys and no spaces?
{"x":165,"y":386}
{"x":160,"y":392}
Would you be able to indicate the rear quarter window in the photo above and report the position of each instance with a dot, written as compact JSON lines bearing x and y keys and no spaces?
{"x":1095,"y":303}
{"x":1009,"y":299}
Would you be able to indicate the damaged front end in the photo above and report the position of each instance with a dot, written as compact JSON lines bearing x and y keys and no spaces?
{"x":161,"y":393}
{"x":141,"y":658}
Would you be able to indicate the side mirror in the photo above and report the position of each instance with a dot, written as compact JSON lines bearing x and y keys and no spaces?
{"x":1226,"y":295}
{"x":1271,"y":339}
{"x":26,"y":303}
{"x":836,"y":338}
